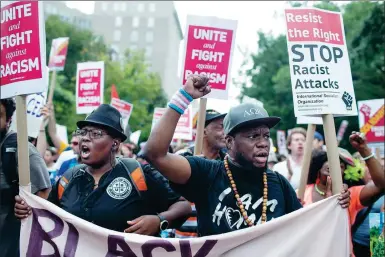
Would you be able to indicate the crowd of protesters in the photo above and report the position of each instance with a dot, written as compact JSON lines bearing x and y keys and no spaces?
{"x":175,"y":193}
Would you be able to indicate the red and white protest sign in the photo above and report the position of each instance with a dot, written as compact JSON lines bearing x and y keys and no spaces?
{"x":342,"y":129}
{"x":209,"y":48}
{"x":371,"y":119}
{"x":319,"y":63}
{"x":58,"y":53}
{"x":183,"y":128}
{"x":22,"y":67}
{"x":125,"y":109}
{"x":89,"y":86}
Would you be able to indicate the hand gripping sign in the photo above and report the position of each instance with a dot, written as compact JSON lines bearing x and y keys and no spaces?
{"x":22,"y":65}
{"x":319,"y":63}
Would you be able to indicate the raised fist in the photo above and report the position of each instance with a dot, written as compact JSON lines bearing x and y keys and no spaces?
{"x":197,"y":86}
{"x":348,"y":100}
{"x":358,"y":141}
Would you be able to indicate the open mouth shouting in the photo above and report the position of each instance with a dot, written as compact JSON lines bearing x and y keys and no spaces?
{"x":261,"y":157}
{"x":84,"y":152}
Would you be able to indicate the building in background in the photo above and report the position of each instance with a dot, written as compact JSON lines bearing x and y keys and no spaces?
{"x":70,"y":15}
{"x":149,"y":25}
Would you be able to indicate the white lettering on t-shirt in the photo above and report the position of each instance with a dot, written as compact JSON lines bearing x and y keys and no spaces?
{"x":233,"y":217}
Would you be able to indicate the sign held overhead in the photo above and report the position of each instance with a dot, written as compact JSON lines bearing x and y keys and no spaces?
{"x":319,"y":63}
{"x":209,"y":48}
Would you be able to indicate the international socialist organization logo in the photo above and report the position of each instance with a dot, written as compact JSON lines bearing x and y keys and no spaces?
{"x":119,"y":188}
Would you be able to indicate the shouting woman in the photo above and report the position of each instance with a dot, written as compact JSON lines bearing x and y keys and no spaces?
{"x":117,"y":194}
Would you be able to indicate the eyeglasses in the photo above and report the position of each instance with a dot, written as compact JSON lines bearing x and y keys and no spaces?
{"x":93,"y":133}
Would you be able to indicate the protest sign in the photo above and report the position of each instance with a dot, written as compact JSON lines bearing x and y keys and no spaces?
{"x":371,"y":119}
{"x":34,"y":103}
{"x":23,"y":65}
{"x":209,"y":47}
{"x":281,"y":142}
{"x":183,"y":128}
{"x":135,"y":136}
{"x":125,"y":108}
{"x":342,"y":129}
{"x":89,"y":86}
{"x":319,"y":63}
{"x":51,"y":230}
{"x":380,"y":146}
{"x":34,"y":118}
{"x":309,"y":120}
{"x":62,"y":133}
{"x":58,"y":53}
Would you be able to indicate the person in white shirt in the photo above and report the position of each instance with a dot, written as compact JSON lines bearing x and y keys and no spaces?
{"x":291,"y":167}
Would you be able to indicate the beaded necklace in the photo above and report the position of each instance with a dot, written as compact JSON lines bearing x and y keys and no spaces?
{"x":238,"y":198}
{"x":318,"y":190}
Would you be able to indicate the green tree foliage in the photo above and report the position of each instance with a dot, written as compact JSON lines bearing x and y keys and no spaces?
{"x":379,"y":248}
{"x":364,"y":24}
{"x":134,"y":82}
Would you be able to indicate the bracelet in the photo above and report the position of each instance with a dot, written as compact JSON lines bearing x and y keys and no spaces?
{"x":42,"y":130}
{"x":180,"y":101}
{"x":368,"y":157}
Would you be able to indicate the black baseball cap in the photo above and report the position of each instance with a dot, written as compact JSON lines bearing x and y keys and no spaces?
{"x":108,"y":117}
{"x":211,"y":115}
{"x":247,"y":114}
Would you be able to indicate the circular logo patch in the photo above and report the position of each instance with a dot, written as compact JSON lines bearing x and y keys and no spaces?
{"x":119,"y":188}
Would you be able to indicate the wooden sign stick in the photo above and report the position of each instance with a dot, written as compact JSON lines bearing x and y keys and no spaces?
{"x":52,"y":87}
{"x":332,"y":153}
{"x":200,"y":126}
{"x":22,"y":142}
{"x":306,"y":160}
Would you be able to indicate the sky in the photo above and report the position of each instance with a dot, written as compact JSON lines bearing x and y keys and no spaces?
{"x":252,"y":16}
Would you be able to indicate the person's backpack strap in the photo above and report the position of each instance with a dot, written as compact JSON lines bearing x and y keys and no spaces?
{"x":135,"y":172}
{"x":67,"y":177}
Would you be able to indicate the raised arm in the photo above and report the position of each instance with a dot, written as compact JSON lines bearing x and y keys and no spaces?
{"x":373,"y":189}
{"x":41,"y":144}
{"x":52,"y":128}
{"x":175,"y":167}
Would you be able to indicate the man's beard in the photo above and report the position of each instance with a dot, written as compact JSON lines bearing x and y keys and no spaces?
{"x":248,"y":165}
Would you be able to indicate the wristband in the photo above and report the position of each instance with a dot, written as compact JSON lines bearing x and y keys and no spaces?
{"x":180,"y":101}
{"x":368,"y":157}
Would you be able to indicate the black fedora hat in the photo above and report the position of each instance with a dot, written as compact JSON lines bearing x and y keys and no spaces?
{"x":108,"y":117}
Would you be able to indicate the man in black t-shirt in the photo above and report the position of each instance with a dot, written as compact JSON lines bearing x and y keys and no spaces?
{"x":231,"y":194}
